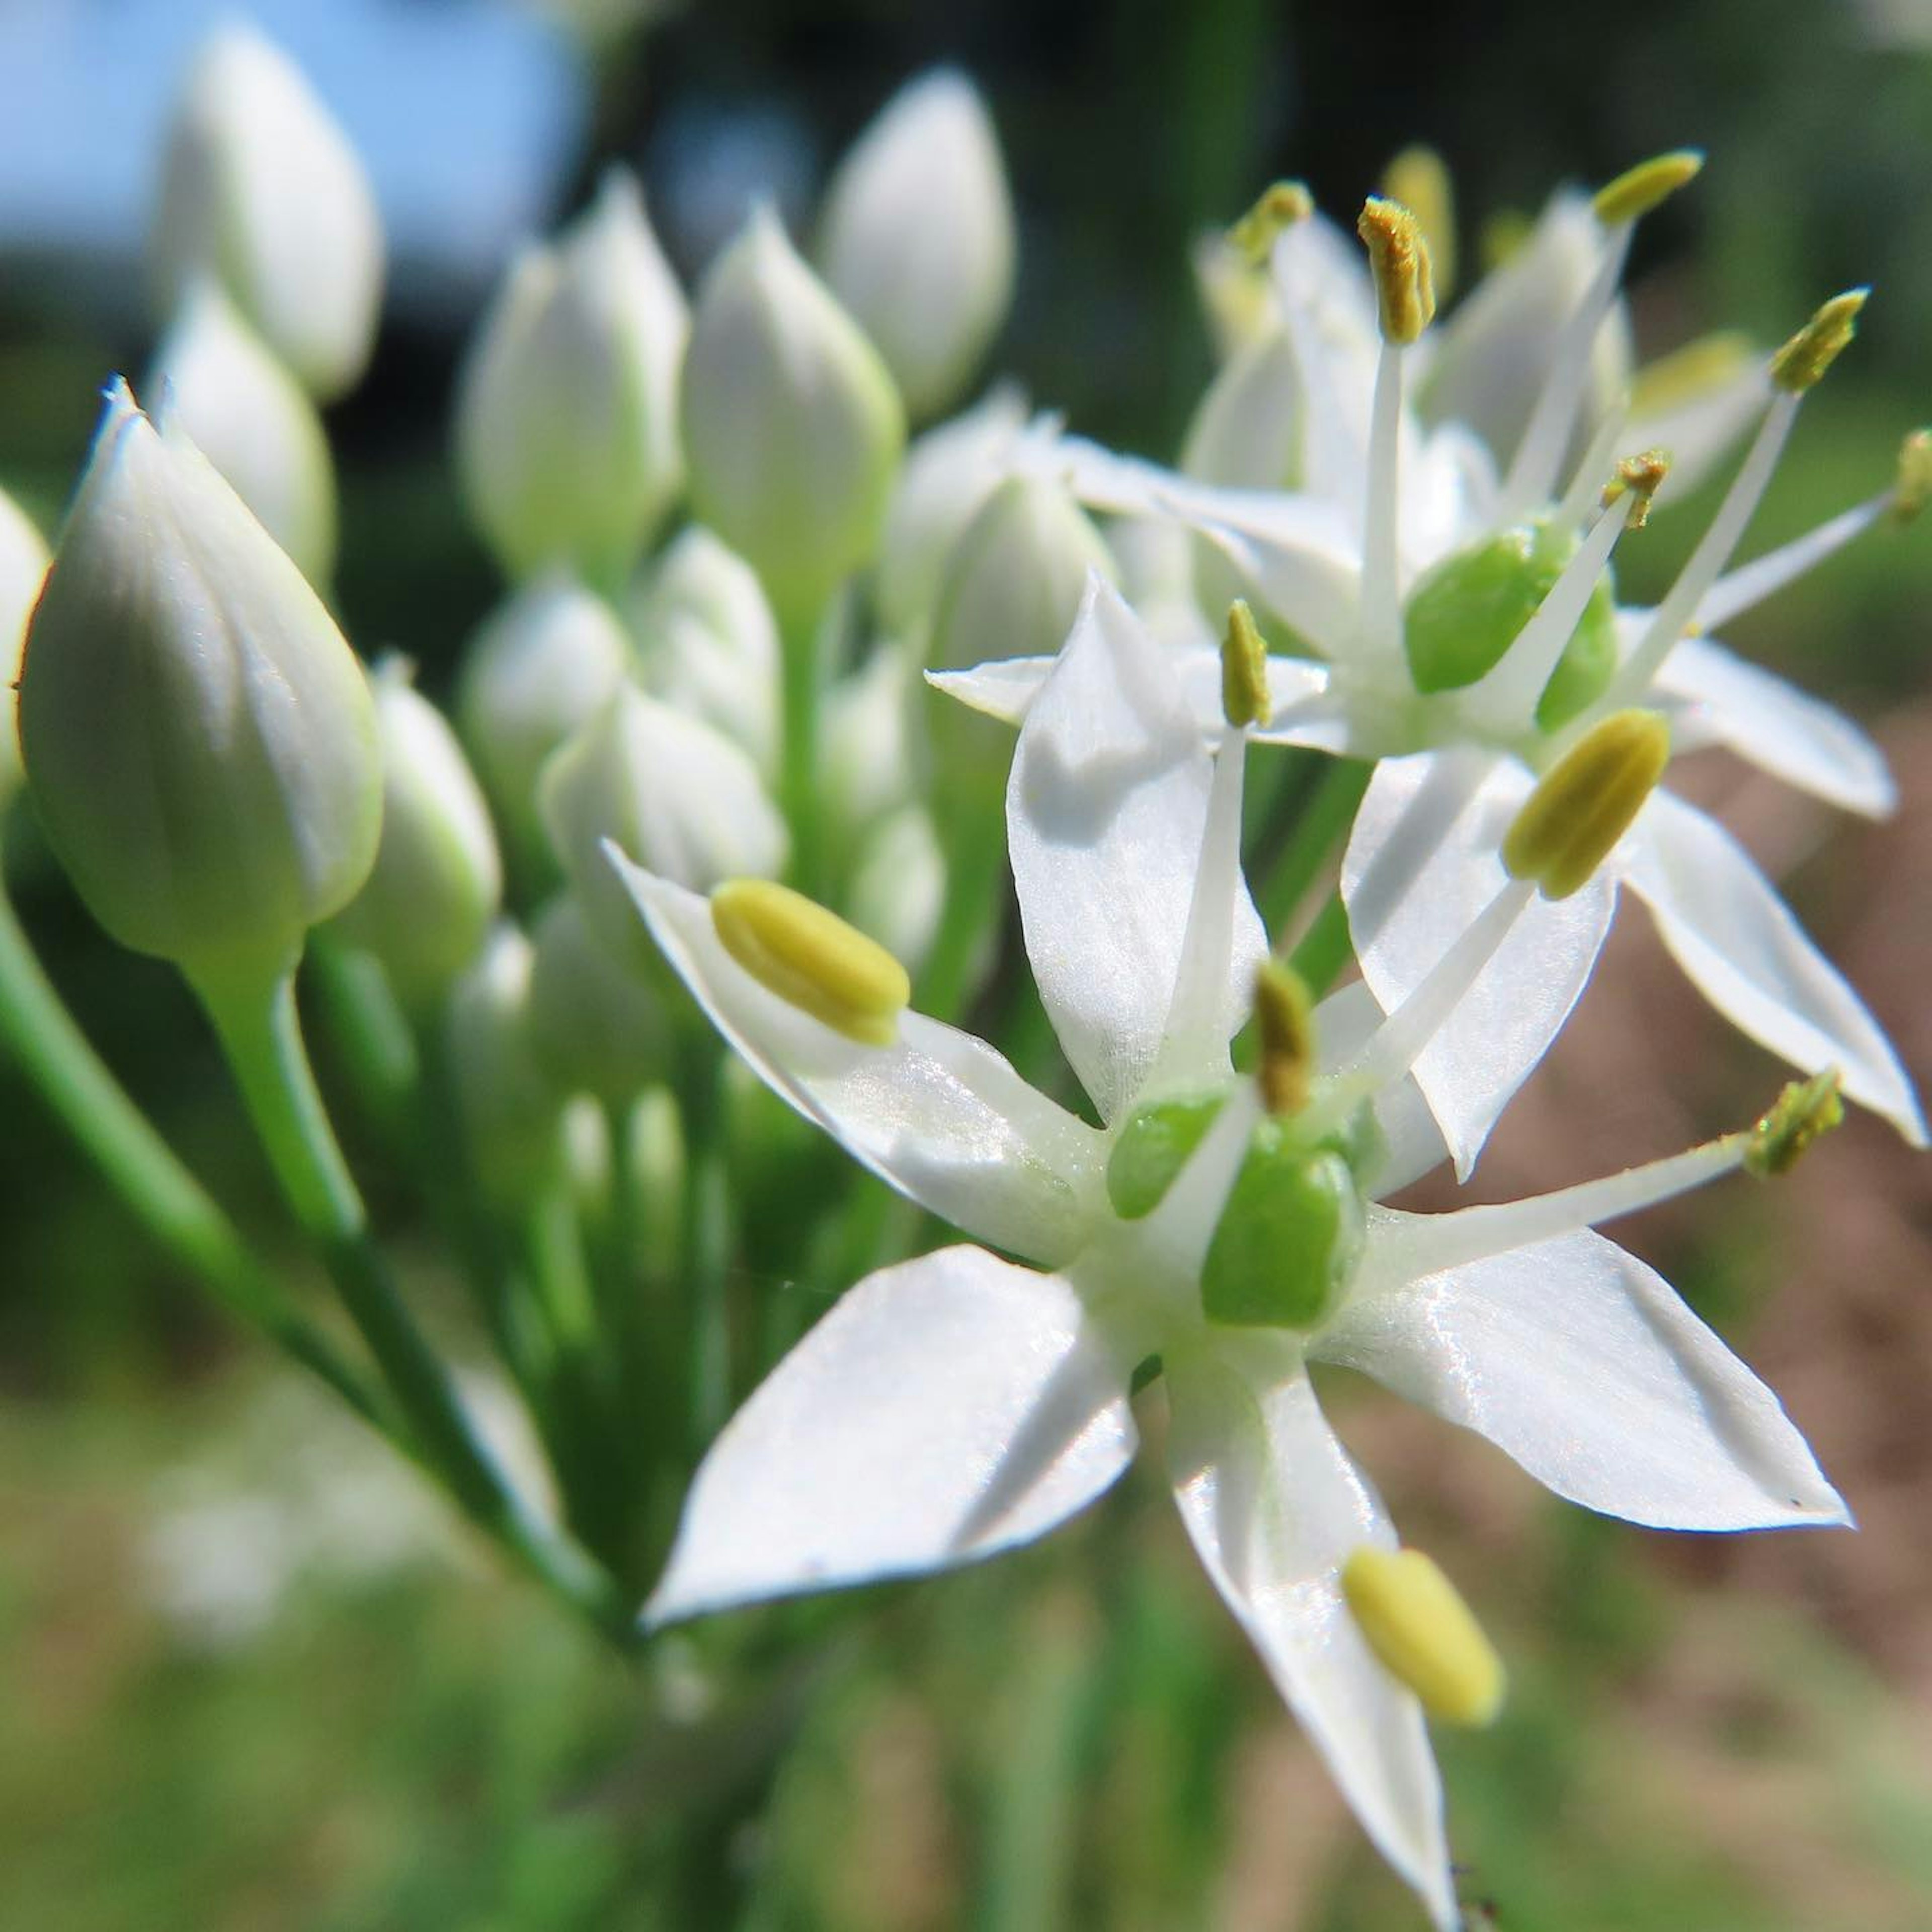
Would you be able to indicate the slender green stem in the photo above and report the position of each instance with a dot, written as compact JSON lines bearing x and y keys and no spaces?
{"x":802,"y":683}
{"x":36,"y":1027}
{"x":705,"y":1245}
{"x":373,"y":1033}
{"x":261,"y":1037}
{"x":1321,"y":822}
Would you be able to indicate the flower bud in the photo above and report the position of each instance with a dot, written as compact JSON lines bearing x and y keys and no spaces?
{"x":23,"y":569}
{"x":918,"y":237}
{"x":708,"y":643}
{"x":260,"y":189}
{"x":899,"y":884}
{"x":949,"y":472}
{"x":675,"y":795}
{"x":566,"y":427}
{"x":535,"y":670}
{"x":598,"y":1027}
{"x":510,"y":1108}
{"x":865,"y":760}
{"x":438,"y":879}
{"x":200,"y":742}
{"x":792,"y":426}
{"x":254,"y":421}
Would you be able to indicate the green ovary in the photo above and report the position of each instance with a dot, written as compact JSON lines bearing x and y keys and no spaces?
{"x":1467,"y":609}
{"x":1287,"y":1239}
{"x":1152,"y":1147}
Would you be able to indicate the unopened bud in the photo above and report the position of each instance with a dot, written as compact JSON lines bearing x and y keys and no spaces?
{"x":1637,"y":190}
{"x":1914,"y":488}
{"x":23,"y":569}
{"x":254,"y":421}
{"x":598,"y":1026}
{"x":811,"y":959}
{"x":792,"y":426}
{"x":918,"y":237}
{"x":1277,"y":208}
{"x":1801,"y":363}
{"x":566,"y":417}
{"x":1424,"y":1634}
{"x":438,"y":879}
{"x":1804,"y":1112}
{"x":1418,"y":179}
{"x":1586,"y":801}
{"x":1639,"y":477}
{"x":260,"y":189}
{"x":199,"y":739}
{"x":1399,"y":259}
{"x":674,"y":796}
{"x":1285,"y":1020}
{"x":1244,"y":679}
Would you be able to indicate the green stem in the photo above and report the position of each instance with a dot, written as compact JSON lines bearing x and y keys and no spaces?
{"x":1321,"y":824}
{"x":705,"y":1244}
{"x":169,"y":1203}
{"x":261,"y":1036}
{"x":373,"y":1034}
{"x":802,"y":683}
{"x":974,"y":864}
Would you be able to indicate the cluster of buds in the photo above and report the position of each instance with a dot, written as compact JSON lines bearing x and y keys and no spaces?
{"x":697,"y":789}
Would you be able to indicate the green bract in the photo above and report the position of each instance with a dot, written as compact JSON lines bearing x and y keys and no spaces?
{"x":1467,"y":611}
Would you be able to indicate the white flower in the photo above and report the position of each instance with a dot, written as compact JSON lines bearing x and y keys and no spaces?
{"x":566,"y":416}
{"x":1467,"y":623}
{"x":260,"y":189}
{"x":254,"y":421}
{"x":918,"y":236}
{"x":956,"y":1405}
{"x":23,"y":569}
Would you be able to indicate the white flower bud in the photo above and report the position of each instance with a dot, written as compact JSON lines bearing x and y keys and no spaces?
{"x":899,"y":885}
{"x":918,"y":237}
{"x":260,"y":189}
{"x":708,"y":643}
{"x":511,"y":1108}
{"x":537,"y":668}
{"x":253,"y":421}
{"x":599,"y":1026}
{"x":1014,"y":582}
{"x":792,"y":427}
{"x":438,"y":879}
{"x":865,"y":728}
{"x":23,"y":568}
{"x":677,"y":796}
{"x":949,"y":472}
{"x":566,"y":424}
{"x":199,"y":740}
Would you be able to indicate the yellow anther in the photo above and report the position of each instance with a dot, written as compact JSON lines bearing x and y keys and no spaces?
{"x":1805,"y":358}
{"x":1419,"y":178}
{"x":1424,"y":1634}
{"x":811,"y":959}
{"x":1913,"y":490}
{"x":1639,"y":477}
{"x":1285,"y":1023}
{"x":1637,"y":190}
{"x":1585,"y":802}
{"x":1805,"y":1112}
{"x":1399,"y":256}
{"x":1689,"y":374}
{"x":1278,"y":206}
{"x":1244,"y":683}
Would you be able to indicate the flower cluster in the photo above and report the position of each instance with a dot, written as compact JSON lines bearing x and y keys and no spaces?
{"x":696,"y":795}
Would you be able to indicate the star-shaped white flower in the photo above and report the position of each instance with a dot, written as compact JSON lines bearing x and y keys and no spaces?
{"x":1406,"y":590}
{"x":956,"y":1405}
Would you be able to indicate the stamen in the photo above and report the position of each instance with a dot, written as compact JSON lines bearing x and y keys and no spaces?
{"x":1802,"y":1114}
{"x":811,"y":959}
{"x":1285,"y":1019}
{"x":1801,"y":363}
{"x":1639,"y":477}
{"x":1585,"y":493}
{"x":1424,"y":1634}
{"x":1571,"y":823}
{"x":1399,"y":259}
{"x":1637,"y":190}
{"x":1244,"y":685}
{"x":1419,"y":180}
{"x":1913,"y":490}
{"x":1278,"y":208}
{"x":1381,"y":585}
{"x":1739,"y":590}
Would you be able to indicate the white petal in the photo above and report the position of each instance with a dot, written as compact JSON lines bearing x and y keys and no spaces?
{"x":939,"y":1115}
{"x":1778,"y":728}
{"x":1106,"y":813}
{"x":1587,"y":1367}
{"x":1731,"y":932}
{"x":1004,"y":689}
{"x":1422,"y":862}
{"x":945,"y":1409}
{"x":1275,"y":1508}
{"x":1413,"y":1142}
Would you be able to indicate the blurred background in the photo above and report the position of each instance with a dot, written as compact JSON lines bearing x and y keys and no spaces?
{"x":251,"y":1676}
